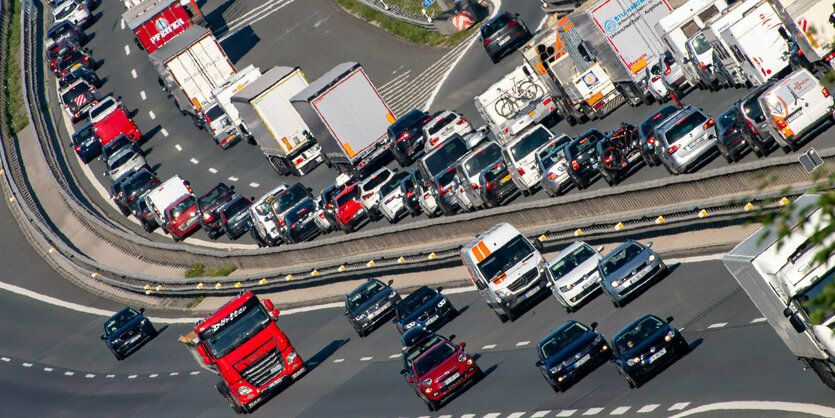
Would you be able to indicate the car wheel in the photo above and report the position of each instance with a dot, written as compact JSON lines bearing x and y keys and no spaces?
{"x":617,"y":304}
{"x":669,"y":170}
{"x":632,"y":381}
{"x":511,"y":316}
{"x":494,"y":59}
{"x":147,"y":227}
{"x":502,"y":317}
{"x":577,"y":183}
{"x":786,"y":149}
{"x":224,"y":391}
{"x":728,"y":157}
{"x":432,"y":405}
{"x":568,"y":309}
{"x":373,"y":215}
{"x":479,"y":374}
{"x":610,"y":180}
{"x":683,"y":347}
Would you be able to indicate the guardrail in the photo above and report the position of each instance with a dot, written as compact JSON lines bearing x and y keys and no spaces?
{"x":398,"y":13}
{"x":679,"y":200}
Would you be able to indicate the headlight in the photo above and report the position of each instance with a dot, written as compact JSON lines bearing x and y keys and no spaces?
{"x":243,"y":390}
{"x":292,"y":357}
{"x":442,"y":303}
{"x":555,"y":369}
{"x":503,"y":293}
{"x":410,"y":324}
{"x":615,"y":283}
{"x":462,"y":357}
{"x":670,"y":335}
{"x":426,"y":382}
{"x":633,"y":361}
{"x":652,"y":257}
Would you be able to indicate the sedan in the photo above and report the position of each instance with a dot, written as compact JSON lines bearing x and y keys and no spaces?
{"x":86,"y":143}
{"x":571,"y":352}
{"x":370,"y":303}
{"x":426,"y":307}
{"x":645,"y":346}
{"x":731,"y":142}
{"x":127,"y":331}
{"x":573,"y":274}
{"x":502,"y":34}
{"x":235,"y":215}
{"x":627,"y":268}
{"x":441,"y":371}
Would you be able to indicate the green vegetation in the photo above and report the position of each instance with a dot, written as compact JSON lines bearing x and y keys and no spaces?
{"x":15,"y":106}
{"x":199,"y":270}
{"x":195,"y":302}
{"x":402,"y":29}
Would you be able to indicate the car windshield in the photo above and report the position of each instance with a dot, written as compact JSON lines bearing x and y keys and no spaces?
{"x":414,"y":301}
{"x":291,"y":197}
{"x":440,"y":124}
{"x":699,"y":44}
{"x":214,"y":195}
{"x":103,"y":107}
{"x":378,"y":179}
{"x":66,"y":11}
{"x":726,"y":120}
{"x":84,"y":134}
{"x":120,"y":160}
{"x":393,"y":183}
{"x":60,"y":31}
{"x":137,"y":182}
{"x":491,"y":27}
{"x":117,"y":321}
{"x":449,"y":152}
{"x":183,"y":206}
{"x":214,"y":113}
{"x":562,"y":339}
{"x":584,"y":142}
{"x":684,"y":126}
{"x":300,"y":211}
{"x":651,"y":122}
{"x":637,"y":333}
{"x":348,"y":196}
{"x":367,"y":291}
{"x":433,"y":358}
{"x":416,"y":350}
{"x":235,"y":208}
{"x":529,"y":143}
{"x":230,"y":332}
{"x":752,"y":108}
{"x":620,"y":257}
{"x":482,"y":158}
{"x":571,"y":260}
{"x":506,"y":257}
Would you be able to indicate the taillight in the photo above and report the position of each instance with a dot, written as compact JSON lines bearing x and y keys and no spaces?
{"x":462,"y":121}
{"x":825,"y":92}
{"x":322,"y":215}
{"x":782,"y":124}
{"x":433,"y":141}
{"x":608,"y":159}
{"x":77,"y":148}
{"x":280,"y":222}
{"x":410,"y":193}
{"x":655,"y":78}
{"x":511,"y":24}
{"x":673,"y":149}
{"x":402,"y":136}
{"x":574,"y":165}
{"x":799,"y":52}
{"x":445,"y":190}
{"x":651,"y":140}
{"x":367,"y":196}
{"x":708,"y":124}
{"x":474,"y":186}
{"x":490,"y":185}
{"x":668,"y":70}
{"x":486,"y":41}
{"x":552,"y":176}
{"x":85,"y":59}
{"x":521,"y":171}
{"x":702,"y":66}
{"x":751,"y":126}
{"x":207,"y":216}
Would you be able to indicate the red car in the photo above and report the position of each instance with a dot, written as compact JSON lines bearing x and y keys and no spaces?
{"x":350,"y":211}
{"x":110,"y":119}
{"x":183,"y":216}
{"x":437,"y":369}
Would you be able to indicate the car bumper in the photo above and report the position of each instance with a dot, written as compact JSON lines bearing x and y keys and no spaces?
{"x":188,"y":228}
{"x":705,"y":147}
{"x":358,"y":218}
{"x":579,"y":292}
{"x":597,"y":355}
{"x":466,"y":377}
{"x":374,"y":318}
{"x":529,"y":292}
{"x":671,"y":354}
{"x":647,"y":274}
{"x":305,"y":232}
{"x":234,"y":231}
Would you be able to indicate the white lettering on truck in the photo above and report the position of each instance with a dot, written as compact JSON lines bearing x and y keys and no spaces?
{"x":228,"y":319}
{"x":164,"y":28}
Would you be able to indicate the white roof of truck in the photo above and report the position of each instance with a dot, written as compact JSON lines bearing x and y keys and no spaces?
{"x":326,"y":81}
{"x":267,"y":80}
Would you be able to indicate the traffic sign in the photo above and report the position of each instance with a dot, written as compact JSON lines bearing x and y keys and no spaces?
{"x":427,"y":3}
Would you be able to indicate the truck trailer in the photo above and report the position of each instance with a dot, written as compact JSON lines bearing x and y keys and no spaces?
{"x":728,"y":60}
{"x":274,"y":124}
{"x":790,"y":286}
{"x":222,"y":119}
{"x":809,"y":23}
{"x":348,"y":118}
{"x":756,"y":40}
{"x":155,"y":22}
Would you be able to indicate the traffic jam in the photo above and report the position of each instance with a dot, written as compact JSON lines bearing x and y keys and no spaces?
{"x":449,"y":164}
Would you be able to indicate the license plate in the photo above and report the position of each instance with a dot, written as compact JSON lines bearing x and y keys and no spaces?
{"x":276,"y":383}
{"x":379,"y":311}
{"x":657,"y":355}
{"x":594,"y":166}
{"x":633,"y":157}
{"x":505,"y":178}
{"x":503,"y":40}
{"x":582,"y":360}
{"x":432,"y":319}
{"x":531,"y":112}
{"x":451,"y":378}
{"x":135,"y":339}
{"x":532,"y":292}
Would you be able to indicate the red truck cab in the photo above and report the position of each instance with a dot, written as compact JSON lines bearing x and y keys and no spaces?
{"x":156,"y":22}
{"x":110,"y":119}
{"x":252,"y":355}
{"x":183,"y":216}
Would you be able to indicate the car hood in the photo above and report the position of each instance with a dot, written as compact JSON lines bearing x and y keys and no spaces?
{"x":568,"y":353}
{"x":632,"y":264}
{"x":416,"y":314}
{"x":373,"y":301}
{"x":644,"y":346}
{"x":588,"y":267}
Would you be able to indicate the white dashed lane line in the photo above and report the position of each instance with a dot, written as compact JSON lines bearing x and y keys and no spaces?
{"x":194,"y":161}
{"x":89,"y":375}
{"x":540,"y":414}
{"x":366,"y":358}
{"x":489,"y":347}
{"x":48,"y":369}
{"x":27,"y":364}
{"x":195,"y":372}
{"x":173,"y":373}
{"x":717,"y":325}
{"x":648,"y":408}
{"x":69,"y":373}
{"x":339,"y":360}
{"x":6,"y":359}
{"x":678,"y":406}
{"x":758,"y":320}
{"x":164,"y":133}
{"x":212,"y":170}
{"x":110,"y":376}
{"x":143,"y":95}
{"x":233,"y":178}
{"x":395,"y":355}
{"x":516,"y":415}
{"x":566,"y":412}
{"x":127,"y":50}
{"x":122,"y":22}
{"x":522,"y":343}
{"x":593,"y":411}
{"x":151,"y":114}
{"x":492,"y":415}
{"x":153,"y":375}
{"x":178,"y":147}
{"x":133,"y":376}
{"x":253,"y":184}
{"x":619,"y":410}
{"x":133,"y":73}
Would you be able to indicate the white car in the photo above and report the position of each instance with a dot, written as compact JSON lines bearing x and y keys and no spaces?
{"x":74,"y":12}
{"x":124,"y":161}
{"x":551,"y":160}
{"x":520,"y":155}
{"x":573,"y":274}
{"x":391,"y":203}
{"x":368,"y":190}
{"x":656,"y":84}
{"x":469,"y":167}
{"x":320,"y":218}
{"x":263,"y":221}
{"x":443,"y":125}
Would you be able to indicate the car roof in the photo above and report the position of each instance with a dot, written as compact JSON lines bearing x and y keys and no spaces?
{"x":672,"y":120}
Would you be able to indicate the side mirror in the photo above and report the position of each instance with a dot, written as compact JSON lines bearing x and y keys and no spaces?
{"x":395,"y":170}
{"x":232,"y":187}
{"x":141,"y":310}
{"x":594,"y":326}
{"x":394,"y":320}
{"x":310,"y":189}
{"x":462,"y":345}
{"x":201,"y":350}
{"x":452,"y":337}
{"x":783,"y":34}
{"x":411,"y":380}
{"x":402,"y":371}
{"x":103,"y":337}
{"x":439,"y":289}
{"x":685,"y":60}
{"x":480,"y":285}
{"x":269,"y":304}
{"x":797,"y":324}
{"x":207,"y":360}
{"x":119,"y":98}
{"x":275,"y":313}
{"x":539,"y":363}
{"x":649,"y":244}
{"x":390,"y":282}
{"x":346,"y":313}
{"x":669,"y":319}
{"x":526,"y":71}
{"x":537,"y":244}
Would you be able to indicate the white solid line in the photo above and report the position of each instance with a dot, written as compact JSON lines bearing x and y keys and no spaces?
{"x":89,"y":375}
{"x":694,"y":259}
{"x":194,"y":161}
{"x":133,"y":376}
{"x":69,"y":373}
{"x":488,"y":346}
{"x":48,"y":369}
{"x":133,"y":73}
{"x":793,"y":407}
{"x":196,"y":372}
{"x":153,"y":375}
{"x":521,"y":343}
{"x":717,"y":325}
{"x":541,"y":23}
{"x":6,"y":359}
{"x":395,"y":355}
{"x":127,"y":50}
{"x":312,"y":308}
{"x":540,"y":414}
{"x":151,"y":114}
{"x":457,"y":290}
{"x":173,"y":373}
{"x":233,"y":179}
{"x":110,"y":376}
{"x":143,"y":95}
{"x":27,"y":364}
{"x":366,"y":358}
{"x":253,"y":184}
{"x":445,"y":416}
{"x":760,"y":319}
{"x":212,"y":170}
{"x":178,"y":147}
{"x":339,"y":360}
{"x":164,"y":132}
{"x":679,"y":406}
{"x":619,"y":410}
{"x":566,"y":412}
{"x":648,"y":408}
{"x":593,"y":411}
{"x":516,"y":415}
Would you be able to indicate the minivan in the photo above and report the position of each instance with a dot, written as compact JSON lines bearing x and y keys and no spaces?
{"x":520,"y":154}
{"x":796,"y":105}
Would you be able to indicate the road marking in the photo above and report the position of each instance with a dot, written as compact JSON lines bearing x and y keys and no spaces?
{"x":619,"y":410}
{"x":593,"y":411}
{"x":212,"y":170}
{"x":679,"y":406}
{"x":27,"y":365}
{"x":48,"y":369}
{"x":194,"y":161}
{"x":133,"y":376}
{"x":253,"y":184}
{"x":492,"y":415}
{"x":488,"y":346}
{"x":127,"y":50}
{"x":793,"y":407}
{"x":142,"y":95}
{"x":151,"y":114}
{"x":648,"y":408}
{"x":540,"y":414}
{"x":566,"y":412}
{"x":339,"y":360}
{"x":69,"y":373}
{"x":122,"y":21}
{"x":395,"y":355}
{"x":110,"y":376}
{"x":164,"y":132}
{"x":153,"y":375}
{"x":717,"y":325}
{"x":6,"y":359}
{"x":196,"y":372}
{"x":174,"y":373}
{"x":521,"y":343}
{"x":89,"y":375}
{"x":516,"y":415}
{"x":445,"y":416}
{"x":233,"y":179}
{"x":758,"y":320}
{"x":178,"y":147}
{"x":366,"y":358}
{"x":468,"y":416}
{"x":133,"y":73}
{"x":259,"y":14}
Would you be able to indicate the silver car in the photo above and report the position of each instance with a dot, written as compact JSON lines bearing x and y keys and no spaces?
{"x":126,"y":160}
{"x":550,"y":158}
{"x":72,"y":11}
{"x":468,"y":169}
{"x":628,"y":268}
{"x":684,"y":139}
{"x":573,"y":274}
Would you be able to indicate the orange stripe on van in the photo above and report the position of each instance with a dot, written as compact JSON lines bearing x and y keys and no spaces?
{"x":484,"y":249}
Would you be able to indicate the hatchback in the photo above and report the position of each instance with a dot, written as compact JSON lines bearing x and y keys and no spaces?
{"x":390,"y":199}
{"x":628,"y":268}
{"x":685,"y":139}
{"x":502,"y":34}
{"x":369,"y":304}
{"x":581,"y":155}
{"x":496,"y":185}
{"x":284,"y":201}
{"x":443,"y":125}
{"x":410,"y":192}
{"x":405,"y":136}
{"x":368,"y":190}
{"x":574,"y":275}
{"x":134,"y":186}
{"x":425,"y":307}
{"x":468,"y":169}
{"x":264,"y":225}
{"x":235,"y":215}
{"x":301,"y":222}
{"x":65,"y":32}
{"x":645,"y":346}
{"x":619,"y":153}
{"x":73,"y":59}
{"x":571,"y":352}
{"x":647,"y":131}
{"x":210,"y":204}
{"x":753,"y":123}
{"x":551,"y":160}
{"x":86,"y":143}
{"x":731,"y":141}
{"x":79,"y":74}
{"x":124,"y":161}
{"x":350,"y":212}
{"x":74,"y":12}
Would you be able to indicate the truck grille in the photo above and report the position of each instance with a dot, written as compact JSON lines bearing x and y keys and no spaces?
{"x":523,"y":281}
{"x":265,"y":369}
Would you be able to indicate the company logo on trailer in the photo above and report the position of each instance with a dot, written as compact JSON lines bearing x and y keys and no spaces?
{"x":611,"y":24}
{"x":590,"y":79}
{"x":161,"y":24}
{"x":164,"y":28}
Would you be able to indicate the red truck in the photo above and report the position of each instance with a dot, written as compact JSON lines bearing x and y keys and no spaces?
{"x":110,"y":119}
{"x":252,"y":355}
{"x":155,"y":22}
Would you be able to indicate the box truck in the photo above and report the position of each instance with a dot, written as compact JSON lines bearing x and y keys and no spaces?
{"x":275,"y":125}
{"x":810,"y":24}
{"x":155,"y":22}
{"x":725,"y":58}
{"x":221,"y":118}
{"x":791,"y":286}
{"x":756,"y":41}
{"x":348,"y":118}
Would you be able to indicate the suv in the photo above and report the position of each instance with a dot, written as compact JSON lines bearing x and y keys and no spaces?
{"x":684,"y":138}
{"x":496,"y":184}
{"x":134,"y":186}
{"x":282,"y":203}
{"x":369,"y":187}
{"x":210,"y":204}
{"x":75,"y":58}
{"x":86,"y":143}
{"x":647,"y":131}
{"x":443,"y":186}
{"x":443,"y":125}
{"x":124,"y":161}
{"x":78,"y":98}
{"x":79,"y":73}
{"x":235,"y":215}
{"x":110,"y":118}
{"x":73,"y":12}
{"x":300,"y":222}
{"x":752,"y":121}
{"x":618,"y":153}
{"x":264,"y":226}
{"x":520,"y":154}
{"x":406,"y":137}
{"x":65,"y":32}
{"x":411,"y":191}
{"x":390,"y":199}
{"x":581,"y":155}
{"x":502,"y":34}
{"x":468,"y":169}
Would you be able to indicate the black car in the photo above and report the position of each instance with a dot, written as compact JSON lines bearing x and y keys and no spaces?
{"x":731,"y":142}
{"x":86,"y":143}
{"x":405,"y":136}
{"x":281,"y":204}
{"x":369,"y":304}
{"x":65,"y":32}
{"x":502,"y":34}
{"x":130,"y":187}
{"x":571,"y":352}
{"x":426,"y":307}
{"x":57,"y":49}
{"x":127,"y":331}
{"x":79,"y":74}
{"x":410,"y":191}
{"x":645,"y":346}
{"x":116,"y":193}
{"x":496,"y":185}
{"x":619,"y":153}
{"x":235,"y":215}
{"x":210,"y":204}
{"x":78,"y":99}
{"x":143,"y":214}
{"x":647,"y":131}
{"x":73,"y":59}
{"x":753,"y":123}
{"x":443,"y":187}
{"x":581,"y":155}
{"x":300,"y":222}
{"x":113,"y":147}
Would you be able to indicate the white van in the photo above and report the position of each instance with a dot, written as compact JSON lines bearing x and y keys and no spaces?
{"x":506,"y":268}
{"x":161,"y":197}
{"x":520,"y":154}
{"x":796,"y":105}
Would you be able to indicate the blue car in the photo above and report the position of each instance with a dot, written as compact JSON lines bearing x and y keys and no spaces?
{"x":425,"y":307}
{"x":645,"y":346}
{"x":571,"y":352}
{"x":86,"y":143}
